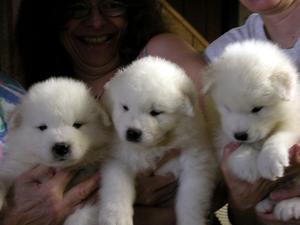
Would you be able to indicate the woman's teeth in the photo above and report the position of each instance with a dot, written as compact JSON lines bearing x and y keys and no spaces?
{"x":95,"y":40}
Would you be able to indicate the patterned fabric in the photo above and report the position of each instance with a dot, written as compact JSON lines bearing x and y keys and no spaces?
{"x":10,"y":95}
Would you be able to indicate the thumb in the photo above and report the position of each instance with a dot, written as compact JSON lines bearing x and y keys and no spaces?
{"x":228,"y":149}
{"x":295,"y":154}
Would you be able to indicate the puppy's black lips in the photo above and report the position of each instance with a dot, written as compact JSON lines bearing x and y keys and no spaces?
{"x":61,"y":160}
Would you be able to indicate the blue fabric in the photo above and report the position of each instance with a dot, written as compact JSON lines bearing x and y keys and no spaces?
{"x":10,"y":95}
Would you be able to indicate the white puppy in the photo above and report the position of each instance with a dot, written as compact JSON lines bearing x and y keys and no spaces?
{"x":256,"y":90}
{"x":58,"y":124}
{"x":154,"y":108}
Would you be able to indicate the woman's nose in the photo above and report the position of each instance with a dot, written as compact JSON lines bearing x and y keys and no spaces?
{"x":96,"y":19}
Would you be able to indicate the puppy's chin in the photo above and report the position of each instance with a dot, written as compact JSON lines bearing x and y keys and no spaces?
{"x":157,"y":143}
{"x":145,"y":143}
{"x":61,"y":163}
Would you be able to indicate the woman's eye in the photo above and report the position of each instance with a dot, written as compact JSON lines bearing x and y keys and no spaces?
{"x":79,"y":10}
{"x":155,"y":113}
{"x":42,"y":127}
{"x":257,"y":109}
{"x":77,"y":125}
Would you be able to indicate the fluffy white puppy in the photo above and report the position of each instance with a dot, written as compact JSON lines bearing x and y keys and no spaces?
{"x":59,"y":124}
{"x":154,"y":108}
{"x":256,"y":90}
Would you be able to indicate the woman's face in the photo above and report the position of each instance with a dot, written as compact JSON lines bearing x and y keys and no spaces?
{"x":266,"y":6}
{"x":93,"y":33}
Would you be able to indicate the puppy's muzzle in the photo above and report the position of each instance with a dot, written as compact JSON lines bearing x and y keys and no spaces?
{"x":133,"y":135}
{"x":61,"y":151}
{"x":241,"y":136}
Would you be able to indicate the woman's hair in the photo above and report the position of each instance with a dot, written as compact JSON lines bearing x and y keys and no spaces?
{"x":41,"y":22}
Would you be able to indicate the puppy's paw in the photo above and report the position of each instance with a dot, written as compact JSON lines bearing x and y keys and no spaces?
{"x":265,"y":206}
{"x":288,"y":209}
{"x":115,"y":217}
{"x":243,"y":164}
{"x":115,"y":220}
{"x":272,"y":161}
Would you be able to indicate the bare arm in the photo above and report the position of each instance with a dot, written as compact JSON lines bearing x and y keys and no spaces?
{"x":173,"y":48}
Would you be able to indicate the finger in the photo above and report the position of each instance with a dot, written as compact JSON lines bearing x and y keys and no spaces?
{"x":295,"y":154}
{"x":171,"y":185}
{"x":266,"y":216}
{"x":165,"y":194}
{"x":37,"y":173}
{"x":61,"y":179}
{"x":145,"y":173}
{"x":82,"y":191}
{"x":165,"y":199}
{"x":269,"y":218}
{"x":167,"y":157}
{"x":160,"y":182}
{"x":285,"y":193}
{"x":153,"y":183}
{"x":93,"y":198}
{"x":156,"y":197}
{"x":229,"y":149}
{"x":149,"y":187}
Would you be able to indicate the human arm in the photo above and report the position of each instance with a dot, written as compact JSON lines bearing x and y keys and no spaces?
{"x":39,"y":198}
{"x":173,"y":48}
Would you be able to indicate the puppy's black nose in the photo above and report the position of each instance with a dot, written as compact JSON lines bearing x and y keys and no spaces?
{"x":241,"y":136}
{"x":133,"y":135}
{"x":61,"y":150}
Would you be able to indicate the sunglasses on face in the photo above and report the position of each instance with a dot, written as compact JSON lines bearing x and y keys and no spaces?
{"x":79,"y":10}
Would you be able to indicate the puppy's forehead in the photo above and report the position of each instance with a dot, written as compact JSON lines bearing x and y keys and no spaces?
{"x":54,"y":104}
{"x":149,"y":73}
{"x":240,"y":92}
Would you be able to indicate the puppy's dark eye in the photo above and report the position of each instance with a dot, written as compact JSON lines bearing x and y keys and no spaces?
{"x":257,"y":109}
{"x":155,"y":113}
{"x":77,"y":125}
{"x":125,"y":107}
{"x":42,"y":127}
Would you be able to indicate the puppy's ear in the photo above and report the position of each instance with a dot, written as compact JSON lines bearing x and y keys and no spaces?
{"x":284,"y":84}
{"x":103,"y":111}
{"x":14,"y":120}
{"x":188,"y":106}
{"x":105,"y":117}
{"x":207,"y":79}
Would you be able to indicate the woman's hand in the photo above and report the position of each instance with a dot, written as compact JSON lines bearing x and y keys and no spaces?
{"x":39,"y":198}
{"x":244,"y":196}
{"x":289,"y":189}
{"x":156,"y":190}
{"x":155,"y":196}
{"x":155,"y":200}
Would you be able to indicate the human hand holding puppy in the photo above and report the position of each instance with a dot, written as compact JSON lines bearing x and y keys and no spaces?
{"x":243,"y":196}
{"x":44,"y":187}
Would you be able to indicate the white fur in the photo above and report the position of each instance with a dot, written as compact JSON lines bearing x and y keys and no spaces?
{"x":155,"y":86}
{"x":56,"y":104}
{"x":256,"y":90}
